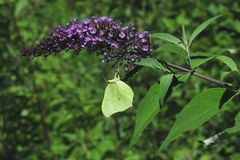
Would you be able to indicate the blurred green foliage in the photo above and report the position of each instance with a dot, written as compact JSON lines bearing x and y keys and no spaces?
{"x":50,"y":107}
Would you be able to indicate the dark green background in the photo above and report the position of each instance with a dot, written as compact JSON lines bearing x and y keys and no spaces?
{"x":50,"y":108}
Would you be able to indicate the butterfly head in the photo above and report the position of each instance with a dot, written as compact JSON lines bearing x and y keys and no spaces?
{"x":116,"y":78}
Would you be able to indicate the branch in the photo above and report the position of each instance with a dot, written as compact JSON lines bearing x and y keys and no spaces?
{"x":199,"y":75}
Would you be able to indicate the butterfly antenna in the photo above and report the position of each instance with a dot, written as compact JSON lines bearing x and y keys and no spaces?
{"x":105,"y":79}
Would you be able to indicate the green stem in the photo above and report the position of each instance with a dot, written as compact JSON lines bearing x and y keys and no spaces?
{"x":189,"y":58}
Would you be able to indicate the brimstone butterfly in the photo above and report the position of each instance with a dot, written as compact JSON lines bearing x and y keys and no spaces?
{"x":118,"y":97}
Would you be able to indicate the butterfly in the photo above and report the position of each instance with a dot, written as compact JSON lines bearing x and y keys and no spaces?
{"x":118,"y":97}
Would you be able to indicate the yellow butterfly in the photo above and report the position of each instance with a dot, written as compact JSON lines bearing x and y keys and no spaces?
{"x":118,"y":97}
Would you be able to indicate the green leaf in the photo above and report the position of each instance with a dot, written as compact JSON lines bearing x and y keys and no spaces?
{"x":201,"y":27}
{"x":224,"y":75}
{"x":228,"y":61}
{"x":199,"y":60}
{"x":236,"y":127}
{"x":152,"y":63}
{"x":165,"y":83}
{"x":196,"y":62}
{"x":198,"y":111}
{"x":172,"y":48}
{"x":182,"y":77}
{"x":232,"y":77}
{"x":149,"y":106}
{"x":167,"y":37}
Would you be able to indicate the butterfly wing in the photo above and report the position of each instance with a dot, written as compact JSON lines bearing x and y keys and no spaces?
{"x":107,"y":104}
{"x":125,"y":96}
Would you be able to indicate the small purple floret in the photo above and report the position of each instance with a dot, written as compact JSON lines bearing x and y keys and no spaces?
{"x":122,"y":34}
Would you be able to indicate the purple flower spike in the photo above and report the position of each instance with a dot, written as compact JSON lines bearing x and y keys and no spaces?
{"x":104,"y":36}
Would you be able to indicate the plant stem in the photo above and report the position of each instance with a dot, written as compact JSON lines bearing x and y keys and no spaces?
{"x":187,"y":46}
{"x":189,"y":58}
{"x":183,"y":69}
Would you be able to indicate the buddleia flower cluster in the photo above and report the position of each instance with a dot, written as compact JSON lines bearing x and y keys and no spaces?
{"x":104,"y":36}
